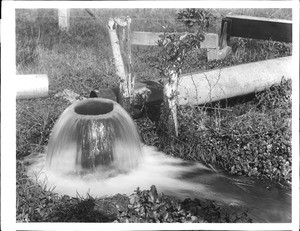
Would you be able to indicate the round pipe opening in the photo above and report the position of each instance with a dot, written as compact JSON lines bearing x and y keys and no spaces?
{"x":94,"y":108}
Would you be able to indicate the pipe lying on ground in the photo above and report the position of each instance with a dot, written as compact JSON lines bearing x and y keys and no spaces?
{"x":214,"y":85}
{"x":32,"y":86}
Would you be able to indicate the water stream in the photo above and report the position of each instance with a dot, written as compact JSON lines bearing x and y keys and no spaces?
{"x":170,"y":175}
{"x":174,"y":177}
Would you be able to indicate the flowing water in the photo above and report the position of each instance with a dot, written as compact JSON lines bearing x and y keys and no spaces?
{"x":170,"y":175}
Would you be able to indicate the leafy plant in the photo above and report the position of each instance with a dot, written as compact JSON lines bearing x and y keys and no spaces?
{"x":176,"y":48}
{"x":200,"y":18}
{"x":173,"y":51}
{"x":149,"y":206}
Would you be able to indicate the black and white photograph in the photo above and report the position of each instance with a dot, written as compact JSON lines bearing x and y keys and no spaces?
{"x":154,"y":115}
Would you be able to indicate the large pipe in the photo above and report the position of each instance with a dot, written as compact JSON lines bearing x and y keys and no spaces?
{"x":32,"y":86}
{"x":214,"y":85}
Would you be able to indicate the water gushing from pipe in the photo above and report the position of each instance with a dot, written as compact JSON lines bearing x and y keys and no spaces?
{"x":93,"y":135}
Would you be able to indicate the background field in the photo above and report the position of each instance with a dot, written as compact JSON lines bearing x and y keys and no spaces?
{"x":81,"y":61}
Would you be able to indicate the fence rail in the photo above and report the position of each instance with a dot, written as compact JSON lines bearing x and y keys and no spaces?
{"x":258,"y":28}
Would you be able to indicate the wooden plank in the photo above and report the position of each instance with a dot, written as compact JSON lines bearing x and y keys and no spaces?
{"x":258,"y":28}
{"x":145,"y":38}
{"x":213,"y":85}
{"x":253,"y":18}
{"x":151,"y":38}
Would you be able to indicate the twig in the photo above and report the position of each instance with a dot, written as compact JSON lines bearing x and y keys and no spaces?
{"x":222,"y":109}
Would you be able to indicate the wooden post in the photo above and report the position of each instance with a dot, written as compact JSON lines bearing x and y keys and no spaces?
{"x":170,"y":101}
{"x":224,"y":50}
{"x":125,"y":82}
{"x":125,"y":47}
{"x":128,"y":54}
{"x":223,"y":37}
{"x":211,"y":44}
{"x":128,"y":42}
{"x":64,"y":18}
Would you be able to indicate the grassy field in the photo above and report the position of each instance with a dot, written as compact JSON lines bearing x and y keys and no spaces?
{"x":81,"y":61}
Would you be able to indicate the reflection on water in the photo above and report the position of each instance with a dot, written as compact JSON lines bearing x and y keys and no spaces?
{"x":175,"y":177}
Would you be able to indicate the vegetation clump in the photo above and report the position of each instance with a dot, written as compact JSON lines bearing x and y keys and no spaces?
{"x":39,"y":204}
{"x":149,"y":206}
{"x":252,"y":138}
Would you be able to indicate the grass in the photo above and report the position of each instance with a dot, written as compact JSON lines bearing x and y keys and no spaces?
{"x":238,"y":138}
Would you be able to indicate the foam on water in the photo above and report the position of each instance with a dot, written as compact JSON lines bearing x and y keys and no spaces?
{"x":171,"y":176}
{"x":156,"y":168}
